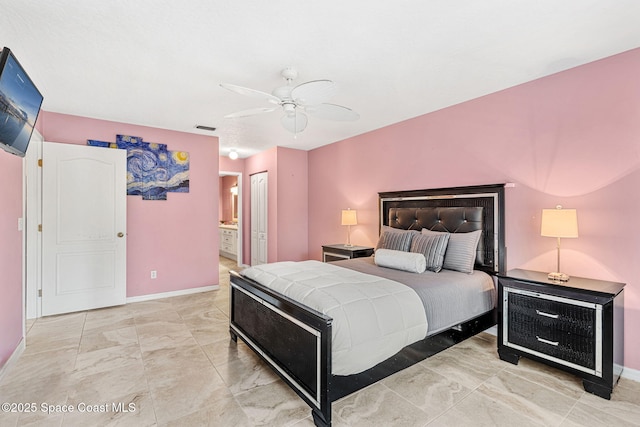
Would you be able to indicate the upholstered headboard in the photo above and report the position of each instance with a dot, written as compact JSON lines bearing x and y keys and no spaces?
{"x":455,"y":210}
{"x":446,"y":219}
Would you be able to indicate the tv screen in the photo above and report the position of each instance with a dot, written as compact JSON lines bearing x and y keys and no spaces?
{"x":20,"y":103}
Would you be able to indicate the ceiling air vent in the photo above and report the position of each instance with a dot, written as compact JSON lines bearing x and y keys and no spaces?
{"x":209,"y":128}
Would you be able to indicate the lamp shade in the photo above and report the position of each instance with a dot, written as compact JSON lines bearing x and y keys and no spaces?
{"x":349,"y":217}
{"x":559,"y":223}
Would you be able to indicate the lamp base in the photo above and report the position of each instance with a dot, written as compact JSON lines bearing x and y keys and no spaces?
{"x":558,"y":277}
{"x":348,"y":245}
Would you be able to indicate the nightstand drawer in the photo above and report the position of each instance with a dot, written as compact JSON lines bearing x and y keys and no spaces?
{"x":537,"y":314}
{"x":563,"y":330}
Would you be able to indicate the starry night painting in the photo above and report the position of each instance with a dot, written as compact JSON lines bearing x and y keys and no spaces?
{"x":152,"y":169}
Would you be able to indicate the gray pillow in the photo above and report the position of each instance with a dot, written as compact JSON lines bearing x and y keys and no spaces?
{"x":433,"y":247}
{"x":395,"y":239}
{"x":461,"y":250}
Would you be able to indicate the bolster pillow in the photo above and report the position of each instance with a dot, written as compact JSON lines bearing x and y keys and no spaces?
{"x":407,"y":261}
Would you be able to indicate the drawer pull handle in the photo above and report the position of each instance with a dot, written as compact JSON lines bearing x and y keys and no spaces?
{"x":554,"y":343}
{"x":542,"y":313}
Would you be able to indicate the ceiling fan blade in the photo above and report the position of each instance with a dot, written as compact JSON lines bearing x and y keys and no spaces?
{"x":294,"y":123}
{"x":250,"y":112}
{"x":332,"y":112}
{"x":251,"y":92}
{"x":313,"y":92}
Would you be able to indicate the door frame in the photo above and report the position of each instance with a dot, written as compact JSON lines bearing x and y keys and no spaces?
{"x":32,"y":217}
{"x":239,"y":254}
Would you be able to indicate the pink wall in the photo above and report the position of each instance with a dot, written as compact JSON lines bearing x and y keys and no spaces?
{"x":293,"y":206}
{"x":570,"y":139}
{"x":177,"y":237}
{"x":11,"y":302}
{"x":225,"y":164}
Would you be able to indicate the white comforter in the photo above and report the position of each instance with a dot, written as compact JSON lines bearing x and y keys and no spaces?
{"x":373,"y":317}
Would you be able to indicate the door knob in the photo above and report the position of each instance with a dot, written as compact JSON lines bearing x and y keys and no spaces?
{"x":121,"y":234}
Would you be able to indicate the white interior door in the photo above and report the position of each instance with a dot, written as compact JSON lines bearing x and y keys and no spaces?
{"x":259,"y":218}
{"x":84,"y":196}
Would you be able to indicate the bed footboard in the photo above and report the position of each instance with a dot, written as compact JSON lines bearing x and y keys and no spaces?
{"x":295,"y":340}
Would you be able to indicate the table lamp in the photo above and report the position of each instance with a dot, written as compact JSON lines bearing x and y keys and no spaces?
{"x":349,"y":218}
{"x":559,"y":223}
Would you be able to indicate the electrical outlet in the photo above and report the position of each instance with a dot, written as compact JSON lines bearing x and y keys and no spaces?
{"x":154,"y":274}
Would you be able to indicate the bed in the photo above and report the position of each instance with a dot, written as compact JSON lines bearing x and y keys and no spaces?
{"x":298,"y":339}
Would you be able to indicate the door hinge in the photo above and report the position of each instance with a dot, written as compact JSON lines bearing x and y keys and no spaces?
{"x":39,"y":227}
{"x":40,"y":292}
{"x":40,"y":162}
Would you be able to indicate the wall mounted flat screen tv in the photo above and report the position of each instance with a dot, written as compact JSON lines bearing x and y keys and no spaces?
{"x":20,"y":103}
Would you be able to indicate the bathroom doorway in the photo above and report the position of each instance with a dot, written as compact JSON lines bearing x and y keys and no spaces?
{"x":230,"y":216}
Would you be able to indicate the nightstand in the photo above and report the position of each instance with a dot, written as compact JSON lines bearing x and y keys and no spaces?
{"x":340,"y":252}
{"x":576,"y":326}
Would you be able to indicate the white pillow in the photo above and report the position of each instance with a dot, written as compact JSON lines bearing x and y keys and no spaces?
{"x":407,"y":261}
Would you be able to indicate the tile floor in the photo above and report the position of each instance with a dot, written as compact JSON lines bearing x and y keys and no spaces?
{"x":170,"y":362}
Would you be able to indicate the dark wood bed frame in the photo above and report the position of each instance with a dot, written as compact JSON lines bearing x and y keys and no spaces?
{"x":296,"y":340}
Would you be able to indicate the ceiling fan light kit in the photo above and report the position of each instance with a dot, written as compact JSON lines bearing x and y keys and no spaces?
{"x":296,"y":102}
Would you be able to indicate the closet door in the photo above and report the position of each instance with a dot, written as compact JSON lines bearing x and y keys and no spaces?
{"x":259,"y":218}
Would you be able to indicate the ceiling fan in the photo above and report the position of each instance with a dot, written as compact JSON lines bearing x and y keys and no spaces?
{"x":296,"y":102}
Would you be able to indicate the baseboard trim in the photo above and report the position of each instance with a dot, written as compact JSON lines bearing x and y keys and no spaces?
{"x":12,"y":359}
{"x":631,"y":374}
{"x":161,"y":295}
{"x":492,"y":330}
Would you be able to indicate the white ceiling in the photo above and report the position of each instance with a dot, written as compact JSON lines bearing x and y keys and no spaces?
{"x":160,"y":62}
